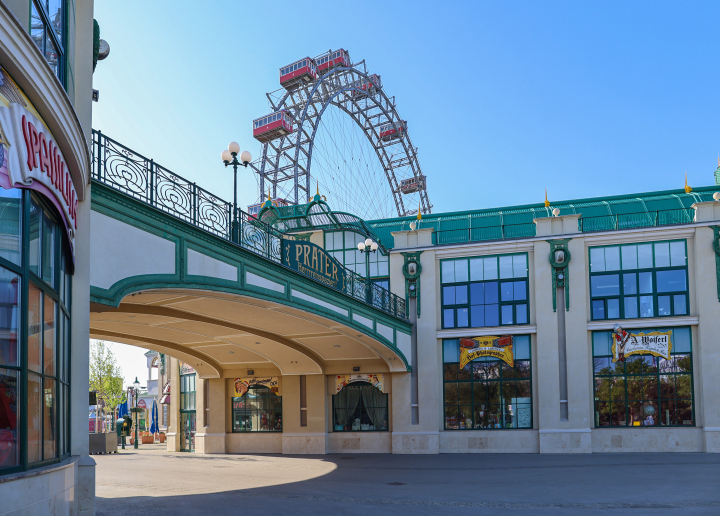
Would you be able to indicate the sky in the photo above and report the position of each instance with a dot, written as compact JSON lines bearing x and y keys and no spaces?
{"x":503,"y":99}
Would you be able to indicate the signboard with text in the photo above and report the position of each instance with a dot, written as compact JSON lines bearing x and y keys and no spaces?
{"x":497,"y":347}
{"x":312,"y":261}
{"x":656,"y":343}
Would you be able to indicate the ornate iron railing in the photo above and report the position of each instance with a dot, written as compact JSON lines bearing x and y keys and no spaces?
{"x":133,"y":174}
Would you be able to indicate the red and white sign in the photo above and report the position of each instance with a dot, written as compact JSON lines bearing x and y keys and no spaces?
{"x":32,"y":159}
{"x":141,"y":404}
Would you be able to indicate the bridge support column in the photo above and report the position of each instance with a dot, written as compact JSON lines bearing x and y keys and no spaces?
{"x":310,"y":439}
{"x":210,"y":396}
{"x":173,"y":433}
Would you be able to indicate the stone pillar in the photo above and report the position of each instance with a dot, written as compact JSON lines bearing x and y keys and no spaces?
{"x":210,"y":435}
{"x":557,"y":433}
{"x":310,"y":439}
{"x":423,"y":437}
{"x":173,"y":433}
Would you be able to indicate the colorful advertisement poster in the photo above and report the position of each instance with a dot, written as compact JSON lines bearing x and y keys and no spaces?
{"x":186,"y":368}
{"x":497,"y":347}
{"x":342,"y":380}
{"x":243,"y":384}
{"x":656,"y":343}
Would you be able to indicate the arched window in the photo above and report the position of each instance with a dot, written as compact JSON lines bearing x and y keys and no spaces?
{"x":35,"y":274}
{"x":360,"y":407}
{"x":258,"y":410}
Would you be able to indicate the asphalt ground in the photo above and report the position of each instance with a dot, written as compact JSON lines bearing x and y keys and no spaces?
{"x":156,"y":482}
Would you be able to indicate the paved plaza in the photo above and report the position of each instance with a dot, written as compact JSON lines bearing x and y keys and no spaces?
{"x":154,"y":481}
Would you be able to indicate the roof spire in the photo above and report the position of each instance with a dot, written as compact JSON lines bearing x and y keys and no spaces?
{"x":687,"y":188}
{"x":419,"y":215}
{"x":547,"y":203}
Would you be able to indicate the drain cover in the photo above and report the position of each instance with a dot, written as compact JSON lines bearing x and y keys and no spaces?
{"x":396,"y":483}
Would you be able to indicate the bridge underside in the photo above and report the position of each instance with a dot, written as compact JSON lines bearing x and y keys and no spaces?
{"x":217,"y":333}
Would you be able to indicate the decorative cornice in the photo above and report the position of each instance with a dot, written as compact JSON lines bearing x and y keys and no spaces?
{"x":650,"y":322}
{"x":29,"y":69}
{"x":525,"y":329}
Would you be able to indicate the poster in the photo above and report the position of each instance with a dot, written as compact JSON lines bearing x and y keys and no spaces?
{"x":497,"y":347}
{"x":656,"y":343}
{"x":243,"y":384}
{"x":342,"y":380}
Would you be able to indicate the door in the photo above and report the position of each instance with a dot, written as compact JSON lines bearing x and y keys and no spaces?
{"x":187,"y":434}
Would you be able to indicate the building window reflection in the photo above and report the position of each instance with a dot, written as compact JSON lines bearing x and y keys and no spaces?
{"x":48,"y":20}
{"x":258,"y":410}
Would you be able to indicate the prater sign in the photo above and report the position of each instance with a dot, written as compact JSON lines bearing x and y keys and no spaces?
{"x":312,"y":261}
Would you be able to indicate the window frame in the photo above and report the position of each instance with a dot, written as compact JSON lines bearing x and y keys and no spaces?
{"x":60,"y":292}
{"x":59,"y":42}
{"x":267,"y":393}
{"x":500,"y":303}
{"x":361,"y":384}
{"x":657,"y":375}
{"x":500,"y":381}
{"x":621,"y":296}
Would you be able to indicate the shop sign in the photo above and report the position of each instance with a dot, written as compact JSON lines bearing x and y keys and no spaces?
{"x":30,"y":157}
{"x":656,"y":343}
{"x":497,"y":347}
{"x":243,"y":384}
{"x":312,"y":261}
{"x":186,"y":369}
{"x":341,"y":380}
{"x":141,"y":404}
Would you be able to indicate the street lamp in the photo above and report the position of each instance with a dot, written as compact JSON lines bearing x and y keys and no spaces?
{"x":230,"y":157}
{"x":367,"y":247}
{"x":136,"y":391}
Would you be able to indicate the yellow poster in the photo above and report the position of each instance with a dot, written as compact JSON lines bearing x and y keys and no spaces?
{"x":243,"y":384}
{"x":497,"y":347}
{"x":341,"y":380}
{"x":656,"y":343}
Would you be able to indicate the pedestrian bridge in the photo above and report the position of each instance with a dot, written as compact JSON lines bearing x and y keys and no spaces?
{"x":176,"y":269}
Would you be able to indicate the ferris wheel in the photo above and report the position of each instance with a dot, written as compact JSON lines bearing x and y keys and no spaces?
{"x":334,"y":128}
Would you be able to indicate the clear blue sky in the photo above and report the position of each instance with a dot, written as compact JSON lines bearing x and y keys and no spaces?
{"x":503,"y":99}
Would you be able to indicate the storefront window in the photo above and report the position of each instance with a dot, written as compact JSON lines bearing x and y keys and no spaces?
{"x":643,"y":389}
{"x":488,"y":393}
{"x":34,"y":379}
{"x":187,"y":391}
{"x":258,"y":410}
{"x":360,"y":407}
{"x":639,"y":280}
{"x":485,"y":291}
{"x":47,"y":30}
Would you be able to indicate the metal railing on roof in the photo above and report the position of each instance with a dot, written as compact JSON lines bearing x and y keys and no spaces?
{"x":126,"y":171}
{"x":636,"y":220}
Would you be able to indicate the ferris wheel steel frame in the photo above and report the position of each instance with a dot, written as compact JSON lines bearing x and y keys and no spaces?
{"x":289,"y":158}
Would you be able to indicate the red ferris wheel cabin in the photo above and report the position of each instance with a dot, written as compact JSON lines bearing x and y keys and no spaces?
{"x":292,"y":75}
{"x":367,"y":86}
{"x":391,"y":132}
{"x":332,"y":59}
{"x":272,"y":126}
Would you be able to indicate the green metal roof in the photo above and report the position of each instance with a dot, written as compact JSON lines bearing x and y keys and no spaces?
{"x":598,"y":214}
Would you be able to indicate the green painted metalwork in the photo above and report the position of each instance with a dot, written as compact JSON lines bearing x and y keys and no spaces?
{"x":559,"y":260}
{"x":716,"y":248}
{"x":650,"y":209}
{"x":717,"y":175}
{"x":412,"y":279}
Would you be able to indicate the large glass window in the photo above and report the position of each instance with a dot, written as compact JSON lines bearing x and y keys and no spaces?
{"x":34,"y":377}
{"x":485,"y":291}
{"x":488,"y":393}
{"x":342,"y":245}
{"x":644,"y":390}
{"x":47,"y":30}
{"x":187,"y":391}
{"x":258,"y":410}
{"x":360,"y":407}
{"x":639,"y":280}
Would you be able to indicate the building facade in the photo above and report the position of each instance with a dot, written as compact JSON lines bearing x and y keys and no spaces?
{"x":46,"y":64}
{"x":583,"y":326}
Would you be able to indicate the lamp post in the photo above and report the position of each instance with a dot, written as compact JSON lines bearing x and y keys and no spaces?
{"x":367,"y":247}
{"x":136,"y":391}
{"x":230,"y":157}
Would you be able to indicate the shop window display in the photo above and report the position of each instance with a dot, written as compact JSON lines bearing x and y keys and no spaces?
{"x":34,"y":379}
{"x":485,"y":291}
{"x":487,"y":392}
{"x":258,"y":410}
{"x":360,"y":407}
{"x":639,"y":280}
{"x":643,"y":389}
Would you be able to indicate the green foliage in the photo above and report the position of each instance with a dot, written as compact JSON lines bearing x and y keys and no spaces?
{"x":105,"y":375}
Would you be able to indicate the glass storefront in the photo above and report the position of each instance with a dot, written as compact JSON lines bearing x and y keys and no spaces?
{"x":637,"y":386}
{"x":360,"y":407}
{"x":35,"y":282}
{"x":259,"y":409}
{"x":187,"y":412}
{"x":487,"y":392}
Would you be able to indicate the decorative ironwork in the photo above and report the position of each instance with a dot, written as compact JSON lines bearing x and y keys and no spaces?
{"x":559,"y":260}
{"x":124,"y":170}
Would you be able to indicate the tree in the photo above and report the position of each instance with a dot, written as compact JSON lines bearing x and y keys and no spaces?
{"x":105,"y":375}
